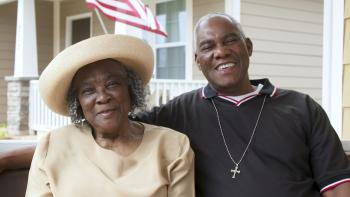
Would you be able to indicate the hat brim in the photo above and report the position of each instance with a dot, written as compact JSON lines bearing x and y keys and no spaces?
{"x":55,"y":80}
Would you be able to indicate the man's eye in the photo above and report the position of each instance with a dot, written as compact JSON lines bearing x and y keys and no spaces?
{"x":231,"y":40}
{"x":206,"y":47}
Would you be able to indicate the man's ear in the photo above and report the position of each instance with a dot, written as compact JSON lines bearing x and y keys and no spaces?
{"x":249,"y":45}
{"x":196,"y":60}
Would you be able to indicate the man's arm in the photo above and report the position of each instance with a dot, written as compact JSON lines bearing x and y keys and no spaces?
{"x":342,"y":190}
{"x":16,"y":159}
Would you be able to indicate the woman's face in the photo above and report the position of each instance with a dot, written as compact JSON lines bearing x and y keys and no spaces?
{"x":103,"y":93}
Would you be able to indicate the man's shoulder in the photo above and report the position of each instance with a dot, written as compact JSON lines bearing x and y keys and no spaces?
{"x":190,"y":94}
{"x":276,"y":92}
{"x":186,"y":97}
{"x":281,"y":92}
{"x":294,"y":97}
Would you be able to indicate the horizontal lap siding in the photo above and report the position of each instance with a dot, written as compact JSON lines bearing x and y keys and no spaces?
{"x":346,"y":86}
{"x":7,"y":51}
{"x":44,"y":24}
{"x":287,"y":40}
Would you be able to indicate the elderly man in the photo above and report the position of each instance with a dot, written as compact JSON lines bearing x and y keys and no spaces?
{"x":250,"y":138}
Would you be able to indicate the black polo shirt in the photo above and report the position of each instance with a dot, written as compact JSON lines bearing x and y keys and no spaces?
{"x":294,"y":152}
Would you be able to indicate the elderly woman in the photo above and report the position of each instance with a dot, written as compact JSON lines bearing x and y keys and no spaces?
{"x":98,"y":82}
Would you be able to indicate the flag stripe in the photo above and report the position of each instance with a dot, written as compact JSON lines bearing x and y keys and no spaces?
{"x":114,"y":4}
{"x":137,"y":7}
{"x":120,"y":7}
{"x":127,"y":20}
{"x":115,"y":14}
{"x":131,"y":12}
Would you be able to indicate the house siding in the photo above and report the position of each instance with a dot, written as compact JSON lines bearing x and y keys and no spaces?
{"x":287,"y":40}
{"x":346,"y":81}
{"x":8,"y":16}
{"x":44,"y":25}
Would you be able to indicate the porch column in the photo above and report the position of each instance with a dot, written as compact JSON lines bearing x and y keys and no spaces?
{"x":233,"y":8}
{"x":26,"y":59}
{"x":25,"y":69}
{"x":332,"y":77}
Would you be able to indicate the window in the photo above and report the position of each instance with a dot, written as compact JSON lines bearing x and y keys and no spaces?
{"x":78,"y":27}
{"x":171,"y":50}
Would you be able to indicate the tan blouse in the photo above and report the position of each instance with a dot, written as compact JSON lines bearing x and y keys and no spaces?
{"x":68,"y":162}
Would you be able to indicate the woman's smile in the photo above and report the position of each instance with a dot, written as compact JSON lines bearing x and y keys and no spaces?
{"x":108,"y":113}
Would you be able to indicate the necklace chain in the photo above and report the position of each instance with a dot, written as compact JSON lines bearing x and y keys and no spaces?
{"x":250,"y":140}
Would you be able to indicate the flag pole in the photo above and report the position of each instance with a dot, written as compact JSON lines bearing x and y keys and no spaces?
{"x":101,"y":22}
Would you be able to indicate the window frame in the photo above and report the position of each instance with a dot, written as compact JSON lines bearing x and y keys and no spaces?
{"x":69,"y":23}
{"x":187,"y":43}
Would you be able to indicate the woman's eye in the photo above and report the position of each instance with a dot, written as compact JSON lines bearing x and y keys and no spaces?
{"x":87,"y":91}
{"x":112,"y":84}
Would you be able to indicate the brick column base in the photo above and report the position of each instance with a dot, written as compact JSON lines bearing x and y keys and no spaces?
{"x":18,"y":104}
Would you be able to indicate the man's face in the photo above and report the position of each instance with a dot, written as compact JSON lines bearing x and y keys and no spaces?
{"x":223,"y":55}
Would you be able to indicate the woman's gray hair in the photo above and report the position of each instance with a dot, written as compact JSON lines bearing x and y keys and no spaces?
{"x":137,"y":96}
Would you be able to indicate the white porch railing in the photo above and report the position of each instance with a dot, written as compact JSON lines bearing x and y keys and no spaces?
{"x":42,"y":119}
{"x":163,"y":90}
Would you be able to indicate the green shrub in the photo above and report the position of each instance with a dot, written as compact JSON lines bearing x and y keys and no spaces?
{"x":3,"y":131}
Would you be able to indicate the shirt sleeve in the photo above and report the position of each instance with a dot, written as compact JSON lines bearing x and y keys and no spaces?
{"x":38,"y":184}
{"x":149,"y":117}
{"x":329,"y":163}
{"x":160,"y":115}
{"x":181,"y":172}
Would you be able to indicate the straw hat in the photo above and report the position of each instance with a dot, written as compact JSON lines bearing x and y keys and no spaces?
{"x":55,"y":80}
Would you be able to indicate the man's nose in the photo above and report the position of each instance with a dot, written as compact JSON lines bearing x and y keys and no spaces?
{"x":221,"y":51}
{"x":103,"y":96}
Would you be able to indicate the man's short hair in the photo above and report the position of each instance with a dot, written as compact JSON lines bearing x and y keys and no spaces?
{"x":212,"y":15}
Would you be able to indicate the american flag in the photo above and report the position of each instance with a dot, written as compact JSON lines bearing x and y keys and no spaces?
{"x":131,"y":12}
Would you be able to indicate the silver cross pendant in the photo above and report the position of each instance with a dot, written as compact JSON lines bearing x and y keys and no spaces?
{"x":235,"y":171}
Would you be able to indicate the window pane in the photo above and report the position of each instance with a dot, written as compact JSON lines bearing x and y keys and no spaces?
{"x":80,"y":30}
{"x":172,"y":16}
{"x":171,"y":63}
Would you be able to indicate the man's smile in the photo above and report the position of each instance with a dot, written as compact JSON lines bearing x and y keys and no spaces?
{"x":225,"y":66}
